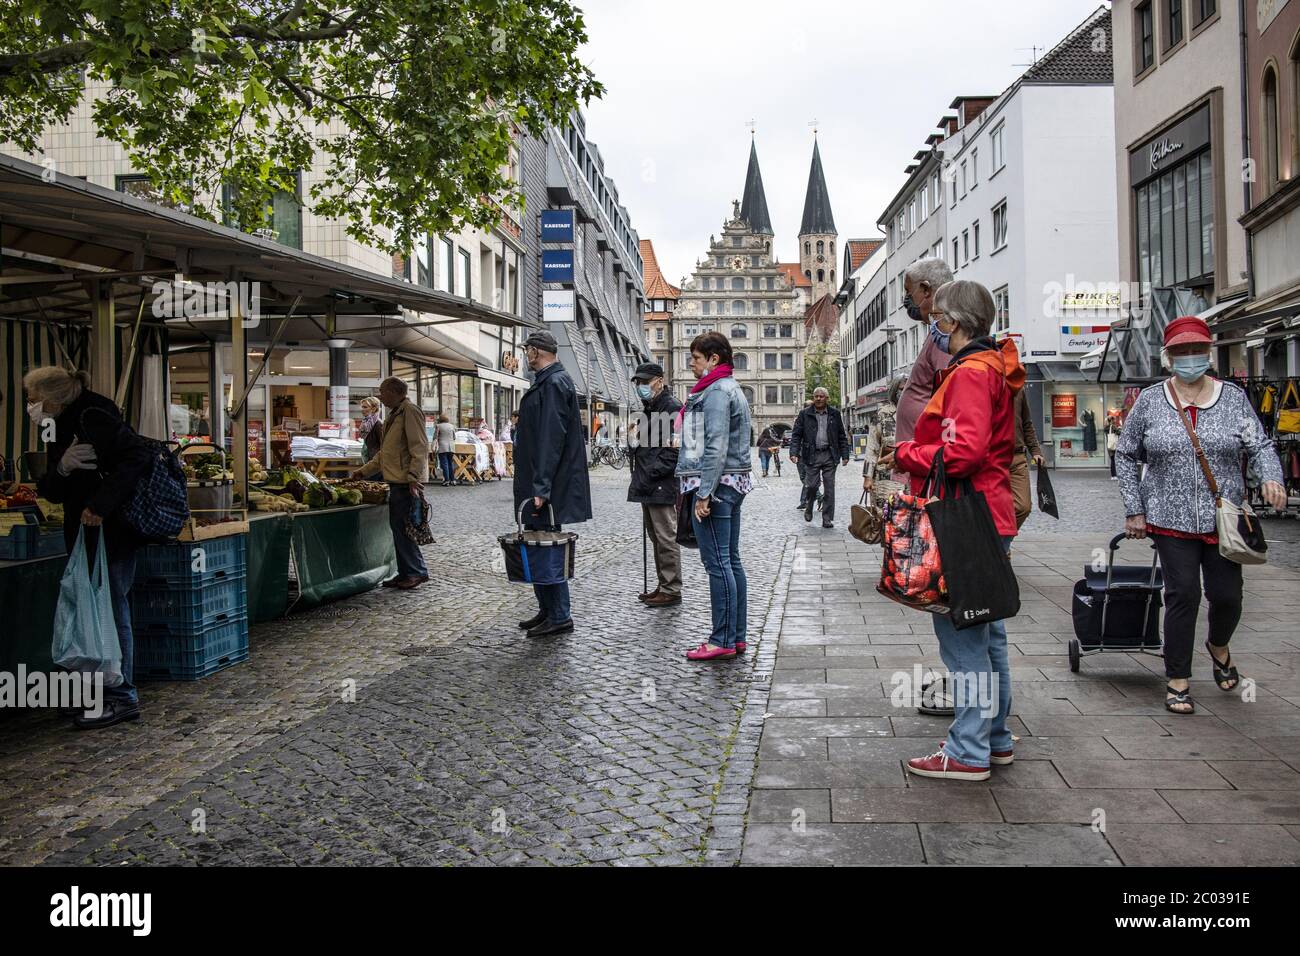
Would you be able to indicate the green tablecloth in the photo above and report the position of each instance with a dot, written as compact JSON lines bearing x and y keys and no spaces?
{"x":339,"y":552}
{"x":269,"y":537}
{"x":29,"y":593}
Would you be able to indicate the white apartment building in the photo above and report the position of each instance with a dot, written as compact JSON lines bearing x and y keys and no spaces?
{"x":1031,"y":216}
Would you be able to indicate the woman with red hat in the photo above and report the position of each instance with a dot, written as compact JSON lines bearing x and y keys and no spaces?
{"x":1172,"y":501}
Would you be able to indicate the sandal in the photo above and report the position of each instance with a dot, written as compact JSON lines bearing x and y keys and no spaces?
{"x":1180,"y":698}
{"x":1225,"y":672}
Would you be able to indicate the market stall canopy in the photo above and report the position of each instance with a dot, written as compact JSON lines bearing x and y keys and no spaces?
{"x":60,"y":235}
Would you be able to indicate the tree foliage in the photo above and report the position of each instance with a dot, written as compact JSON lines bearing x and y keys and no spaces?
{"x":821,"y":369}
{"x":411,"y":105}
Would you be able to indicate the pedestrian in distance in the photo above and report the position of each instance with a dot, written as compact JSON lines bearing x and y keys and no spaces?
{"x":403,"y":462}
{"x":715,"y":466}
{"x":769,"y":446}
{"x":920,"y":282}
{"x":802,"y":469}
{"x":551,"y":486}
{"x":1173,"y":501}
{"x":977,"y":391}
{"x":820,"y":442}
{"x":97,"y":460}
{"x":372,"y":428}
{"x":653,"y":482}
{"x":445,"y":435}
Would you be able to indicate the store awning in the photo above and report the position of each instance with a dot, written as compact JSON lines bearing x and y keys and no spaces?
{"x":59,"y":237}
{"x":1259,"y":317}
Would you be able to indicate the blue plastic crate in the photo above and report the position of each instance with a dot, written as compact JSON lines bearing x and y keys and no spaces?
{"x":47,"y":544}
{"x":19,"y":543}
{"x":163,"y":654}
{"x":173,"y":563}
{"x":189,"y":609}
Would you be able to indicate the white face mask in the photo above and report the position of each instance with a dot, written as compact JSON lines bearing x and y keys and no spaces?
{"x":36,"y":411}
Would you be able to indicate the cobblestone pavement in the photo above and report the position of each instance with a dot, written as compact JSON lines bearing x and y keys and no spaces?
{"x":1102,"y":775}
{"x":466,"y":743}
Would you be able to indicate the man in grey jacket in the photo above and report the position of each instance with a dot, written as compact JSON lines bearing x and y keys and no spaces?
{"x":821,"y":443}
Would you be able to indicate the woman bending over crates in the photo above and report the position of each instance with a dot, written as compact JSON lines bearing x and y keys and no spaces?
{"x":1174,"y":502}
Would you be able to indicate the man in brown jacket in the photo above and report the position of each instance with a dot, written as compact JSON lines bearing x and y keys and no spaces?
{"x":403,"y":460}
{"x":1026,"y":446}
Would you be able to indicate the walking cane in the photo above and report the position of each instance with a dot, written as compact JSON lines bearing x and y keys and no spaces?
{"x":645,"y":562}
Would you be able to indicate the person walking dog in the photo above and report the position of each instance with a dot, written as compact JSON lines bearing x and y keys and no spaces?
{"x":1173,"y":501}
{"x":820,"y":442}
{"x":653,"y":486}
{"x":551,"y":482}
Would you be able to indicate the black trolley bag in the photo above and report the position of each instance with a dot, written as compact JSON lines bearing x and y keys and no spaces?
{"x":1117,"y":608}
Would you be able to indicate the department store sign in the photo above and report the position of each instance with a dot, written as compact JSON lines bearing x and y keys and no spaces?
{"x":1170,"y":146}
{"x":559,"y":305}
{"x":1082,"y":338}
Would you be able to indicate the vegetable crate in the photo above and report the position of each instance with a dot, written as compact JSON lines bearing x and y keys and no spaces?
{"x":193,"y":608}
{"x":175,"y":653}
{"x":20,"y":541}
{"x":175,"y":563}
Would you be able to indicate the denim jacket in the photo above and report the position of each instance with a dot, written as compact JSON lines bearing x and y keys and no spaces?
{"x":715,"y":435}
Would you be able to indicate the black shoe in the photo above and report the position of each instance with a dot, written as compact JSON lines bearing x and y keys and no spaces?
{"x":807,"y":512}
{"x":534,"y":621}
{"x":799,"y":506}
{"x":550,"y":630}
{"x":828,"y":524}
{"x":114,"y":712}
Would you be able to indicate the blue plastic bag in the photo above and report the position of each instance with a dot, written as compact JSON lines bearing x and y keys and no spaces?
{"x":85,"y":635}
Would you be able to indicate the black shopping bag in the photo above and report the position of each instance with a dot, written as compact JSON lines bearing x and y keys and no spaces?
{"x":1046,"y":493}
{"x":685,"y":526}
{"x":982,"y":587}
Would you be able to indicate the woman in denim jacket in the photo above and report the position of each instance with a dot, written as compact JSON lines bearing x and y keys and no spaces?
{"x":715,"y":464}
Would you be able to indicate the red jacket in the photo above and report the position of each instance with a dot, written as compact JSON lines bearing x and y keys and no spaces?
{"x":971,"y":416}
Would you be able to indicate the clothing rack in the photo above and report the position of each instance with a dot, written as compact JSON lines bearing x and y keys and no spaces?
{"x":1267,"y":396}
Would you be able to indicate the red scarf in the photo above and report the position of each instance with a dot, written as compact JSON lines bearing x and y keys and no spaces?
{"x":721,"y":372}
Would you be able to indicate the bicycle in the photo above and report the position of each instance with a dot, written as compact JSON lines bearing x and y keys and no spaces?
{"x":613,"y":455}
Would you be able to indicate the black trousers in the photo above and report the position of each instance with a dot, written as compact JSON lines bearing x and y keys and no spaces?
{"x":821,"y":471}
{"x":1186,"y":563}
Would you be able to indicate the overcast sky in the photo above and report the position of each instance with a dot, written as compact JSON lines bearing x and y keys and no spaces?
{"x":684,"y":78}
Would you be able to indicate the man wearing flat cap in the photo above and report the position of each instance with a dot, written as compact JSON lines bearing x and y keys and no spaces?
{"x":654,"y":481}
{"x":550,"y":469}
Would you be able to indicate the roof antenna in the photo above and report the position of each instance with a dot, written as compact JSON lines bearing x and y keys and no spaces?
{"x":1033,"y":51}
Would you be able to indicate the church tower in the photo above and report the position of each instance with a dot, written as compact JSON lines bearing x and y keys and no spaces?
{"x":817,"y":254}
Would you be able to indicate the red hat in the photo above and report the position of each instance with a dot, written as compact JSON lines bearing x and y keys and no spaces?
{"x":1188,"y":328}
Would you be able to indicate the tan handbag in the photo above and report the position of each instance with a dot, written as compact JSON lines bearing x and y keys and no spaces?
{"x":1241,"y":538}
{"x":866,"y":523}
{"x":1288,"y":412}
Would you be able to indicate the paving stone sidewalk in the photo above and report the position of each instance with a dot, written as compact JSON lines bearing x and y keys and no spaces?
{"x":1103,"y":775}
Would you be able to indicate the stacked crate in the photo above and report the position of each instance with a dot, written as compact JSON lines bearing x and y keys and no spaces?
{"x":189,"y":608}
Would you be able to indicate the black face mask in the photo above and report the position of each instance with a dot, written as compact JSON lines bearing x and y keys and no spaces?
{"x":913,"y":310}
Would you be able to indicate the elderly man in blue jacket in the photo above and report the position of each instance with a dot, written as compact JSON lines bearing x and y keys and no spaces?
{"x":551,"y":482}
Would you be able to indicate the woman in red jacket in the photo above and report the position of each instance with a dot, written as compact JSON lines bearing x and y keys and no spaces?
{"x":971,"y":416}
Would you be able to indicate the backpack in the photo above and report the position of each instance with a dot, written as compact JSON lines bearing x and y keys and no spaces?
{"x":160,"y":505}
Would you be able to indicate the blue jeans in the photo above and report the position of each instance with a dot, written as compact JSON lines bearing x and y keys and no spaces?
{"x":552,"y":599}
{"x":719,"y":538}
{"x":121,"y":575}
{"x":978,"y":671}
{"x":448,"y":466}
{"x":410,"y":561}
{"x":765,"y":457}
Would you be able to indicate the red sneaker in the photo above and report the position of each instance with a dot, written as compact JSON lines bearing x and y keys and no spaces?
{"x":740,"y":647}
{"x":938,"y":764}
{"x":1000,"y":758}
{"x":709,"y":652}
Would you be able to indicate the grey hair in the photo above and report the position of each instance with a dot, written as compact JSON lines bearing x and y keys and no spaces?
{"x":933,"y":272}
{"x":822,"y":390}
{"x":396,"y":384}
{"x":894,"y":390}
{"x":967,"y":303}
{"x":56,"y":383}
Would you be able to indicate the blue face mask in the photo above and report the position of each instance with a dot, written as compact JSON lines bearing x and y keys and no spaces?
{"x":646,"y":392}
{"x":1191,"y":367}
{"x":939,"y":338}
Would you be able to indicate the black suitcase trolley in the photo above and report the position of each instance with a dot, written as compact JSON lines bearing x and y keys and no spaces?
{"x":1117,"y":609}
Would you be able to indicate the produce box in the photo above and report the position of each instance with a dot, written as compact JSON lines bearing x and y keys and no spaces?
{"x":18,"y":531}
{"x":173,"y":564}
{"x":196,"y":530}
